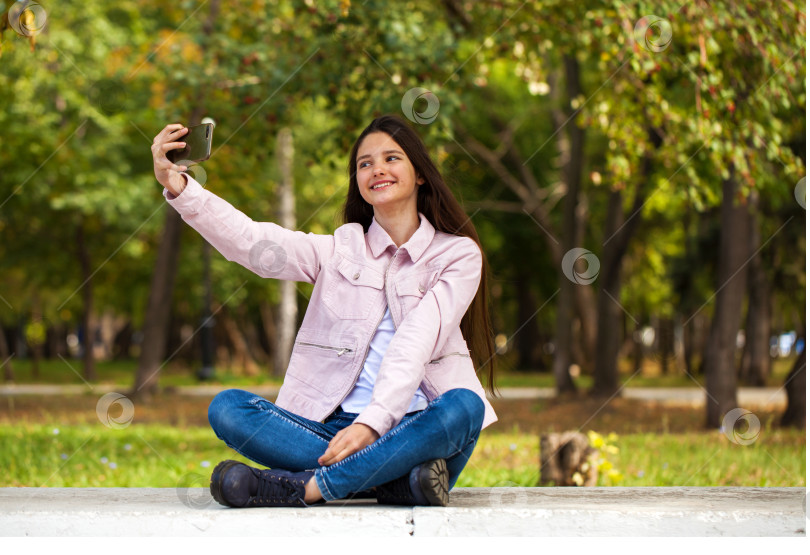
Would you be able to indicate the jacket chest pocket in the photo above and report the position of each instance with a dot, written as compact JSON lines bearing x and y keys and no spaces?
{"x":411,"y":289}
{"x":352,"y":290}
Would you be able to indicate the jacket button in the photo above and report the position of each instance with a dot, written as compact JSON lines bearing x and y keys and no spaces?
{"x":357,"y":275}
{"x":421,"y":288}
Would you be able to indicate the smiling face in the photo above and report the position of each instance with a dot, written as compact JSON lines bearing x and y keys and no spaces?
{"x":385,"y":176}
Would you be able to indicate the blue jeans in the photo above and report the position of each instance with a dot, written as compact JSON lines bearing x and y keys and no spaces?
{"x":448,"y":428}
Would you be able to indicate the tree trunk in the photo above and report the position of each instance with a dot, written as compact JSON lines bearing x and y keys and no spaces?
{"x":5,"y":357}
{"x":158,"y":310}
{"x":718,"y":360}
{"x":251,"y":335}
{"x":689,"y":346}
{"x":528,"y":340}
{"x":288,"y":309}
{"x":56,"y":340}
{"x":796,"y":386}
{"x":571,"y":143}
{"x":243,"y":363}
{"x":578,"y":357}
{"x":562,"y":340}
{"x":699,"y":331}
{"x":618,"y":232}
{"x":88,"y":322}
{"x":606,"y":372}
{"x":207,"y":324}
{"x":638,"y":346}
{"x":270,"y":334}
{"x":584,"y":296}
{"x":34,"y":337}
{"x":756,"y":361}
{"x":106,"y":327}
{"x":678,"y":354}
{"x":123,"y":342}
{"x":666,"y":351}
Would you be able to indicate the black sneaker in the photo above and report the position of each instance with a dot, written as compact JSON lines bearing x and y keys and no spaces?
{"x":426,"y":484}
{"x":234,"y":484}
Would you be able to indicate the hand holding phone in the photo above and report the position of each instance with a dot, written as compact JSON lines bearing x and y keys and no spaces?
{"x":168,"y":173}
{"x":198,"y":145}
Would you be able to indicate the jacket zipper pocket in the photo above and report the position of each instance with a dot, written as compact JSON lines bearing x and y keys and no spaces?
{"x":340,"y":350}
{"x":436,"y":360}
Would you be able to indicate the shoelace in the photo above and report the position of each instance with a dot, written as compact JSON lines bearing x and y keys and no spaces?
{"x":277,"y":489}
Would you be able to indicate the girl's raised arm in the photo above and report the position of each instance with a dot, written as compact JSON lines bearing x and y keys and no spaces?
{"x":265,"y":248}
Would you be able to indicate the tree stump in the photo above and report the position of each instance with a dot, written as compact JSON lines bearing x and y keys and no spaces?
{"x":567,"y":459}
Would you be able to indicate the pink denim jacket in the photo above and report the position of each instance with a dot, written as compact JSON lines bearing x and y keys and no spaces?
{"x":428,"y":283}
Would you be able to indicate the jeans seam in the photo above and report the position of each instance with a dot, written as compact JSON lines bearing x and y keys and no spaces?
{"x":295,"y":423}
{"x":237,"y":450}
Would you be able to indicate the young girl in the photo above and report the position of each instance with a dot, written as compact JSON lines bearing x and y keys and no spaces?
{"x":381,"y":396}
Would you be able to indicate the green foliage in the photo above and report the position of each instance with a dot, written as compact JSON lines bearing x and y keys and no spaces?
{"x":81,"y":108}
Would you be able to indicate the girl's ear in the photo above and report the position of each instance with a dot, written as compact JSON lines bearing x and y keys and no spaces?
{"x":420,"y":180}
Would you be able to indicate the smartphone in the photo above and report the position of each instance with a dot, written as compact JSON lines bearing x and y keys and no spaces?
{"x":198,"y":144}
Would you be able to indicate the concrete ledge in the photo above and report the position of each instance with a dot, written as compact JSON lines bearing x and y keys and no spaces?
{"x":473,"y":512}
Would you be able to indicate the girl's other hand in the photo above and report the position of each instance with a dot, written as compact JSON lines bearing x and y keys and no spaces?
{"x":346,"y":442}
{"x":167,"y":173}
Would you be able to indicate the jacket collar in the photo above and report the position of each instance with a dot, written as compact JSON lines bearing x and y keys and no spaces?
{"x":379,"y":240}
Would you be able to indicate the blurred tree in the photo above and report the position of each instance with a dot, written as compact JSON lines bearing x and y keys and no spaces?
{"x":519,"y":83}
{"x":158,"y":311}
{"x":67,"y":167}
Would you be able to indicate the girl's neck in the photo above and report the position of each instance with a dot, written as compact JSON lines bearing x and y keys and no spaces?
{"x":400,"y":226}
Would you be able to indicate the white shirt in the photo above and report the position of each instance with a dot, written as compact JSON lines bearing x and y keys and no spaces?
{"x":360,"y":396}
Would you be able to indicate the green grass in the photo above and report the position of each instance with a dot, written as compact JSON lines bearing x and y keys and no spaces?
{"x":776,"y":459}
{"x":149,"y":455}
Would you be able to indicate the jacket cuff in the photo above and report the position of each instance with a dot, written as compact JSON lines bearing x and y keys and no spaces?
{"x":189,"y":198}
{"x":377,"y":419}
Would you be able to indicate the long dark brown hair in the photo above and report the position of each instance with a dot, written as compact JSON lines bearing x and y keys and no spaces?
{"x":435,"y":200}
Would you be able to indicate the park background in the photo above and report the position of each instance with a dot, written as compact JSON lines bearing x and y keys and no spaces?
{"x":635,"y":171}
